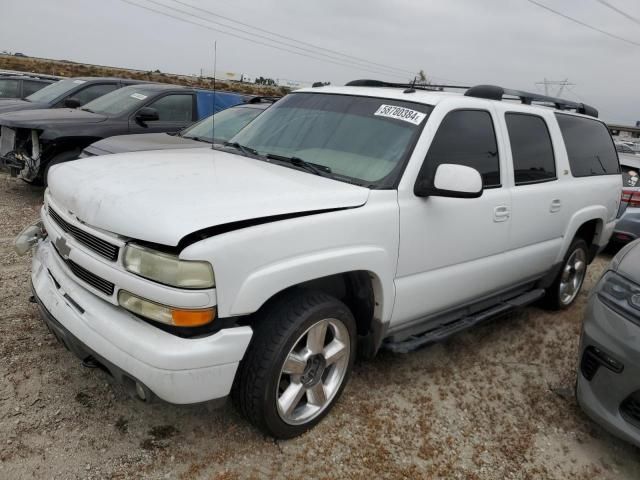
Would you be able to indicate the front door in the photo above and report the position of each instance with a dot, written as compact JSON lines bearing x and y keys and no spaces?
{"x":452,"y":249}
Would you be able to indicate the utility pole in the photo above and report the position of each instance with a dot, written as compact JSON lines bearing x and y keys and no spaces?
{"x":561,"y":84}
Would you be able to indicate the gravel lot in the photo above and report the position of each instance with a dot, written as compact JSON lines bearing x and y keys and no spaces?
{"x":495,"y":402}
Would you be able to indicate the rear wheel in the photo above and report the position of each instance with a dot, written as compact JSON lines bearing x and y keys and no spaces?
{"x":297,"y":364}
{"x":566,"y":287}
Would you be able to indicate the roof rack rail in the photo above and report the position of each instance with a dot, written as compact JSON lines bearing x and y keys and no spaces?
{"x":409,"y":86}
{"x":490,"y":92}
{"x":493,"y":92}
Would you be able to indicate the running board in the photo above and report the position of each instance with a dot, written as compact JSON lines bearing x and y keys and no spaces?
{"x":446,"y":330}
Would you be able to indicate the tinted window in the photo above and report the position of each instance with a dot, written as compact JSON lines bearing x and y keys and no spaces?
{"x":9,"y":88}
{"x":466,"y":137}
{"x":589,"y":146}
{"x":174,"y":108}
{"x":94,"y":91}
{"x":29,"y":87}
{"x":531,"y":149}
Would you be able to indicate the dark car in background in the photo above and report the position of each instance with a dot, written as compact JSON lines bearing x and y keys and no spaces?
{"x":227,"y":123}
{"x":21,"y":86}
{"x":32,"y":141}
{"x":70,"y":93}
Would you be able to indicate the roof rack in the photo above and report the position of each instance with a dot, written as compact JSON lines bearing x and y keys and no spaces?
{"x":493,"y":92}
{"x":410,"y":87}
{"x":490,"y":92}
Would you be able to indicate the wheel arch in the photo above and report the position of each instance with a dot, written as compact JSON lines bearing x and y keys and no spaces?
{"x":587,"y":224}
{"x":362,"y":291}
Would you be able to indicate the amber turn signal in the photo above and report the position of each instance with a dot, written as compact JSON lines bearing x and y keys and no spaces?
{"x":192,"y":318}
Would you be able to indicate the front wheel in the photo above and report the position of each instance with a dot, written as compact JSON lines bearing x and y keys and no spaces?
{"x":564,"y":290}
{"x":297,"y":364}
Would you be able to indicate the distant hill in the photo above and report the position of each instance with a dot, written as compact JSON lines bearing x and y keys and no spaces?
{"x":68,"y":68}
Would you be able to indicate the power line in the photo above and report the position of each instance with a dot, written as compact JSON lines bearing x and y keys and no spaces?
{"x":232,"y":34}
{"x":275,"y":34}
{"x":591,"y":27}
{"x":621,"y":12}
{"x":391,"y":71}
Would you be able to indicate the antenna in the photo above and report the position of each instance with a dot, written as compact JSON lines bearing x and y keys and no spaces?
{"x":213,"y":106}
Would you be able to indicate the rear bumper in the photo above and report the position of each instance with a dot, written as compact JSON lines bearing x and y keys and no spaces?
{"x":176,"y":370}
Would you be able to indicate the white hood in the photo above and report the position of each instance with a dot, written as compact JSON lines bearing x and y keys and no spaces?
{"x":161,"y":196}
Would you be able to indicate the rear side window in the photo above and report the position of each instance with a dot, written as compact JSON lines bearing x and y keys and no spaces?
{"x":589,"y":146}
{"x":174,"y":108}
{"x":29,"y":87}
{"x":531,"y":149}
{"x":466,"y":137}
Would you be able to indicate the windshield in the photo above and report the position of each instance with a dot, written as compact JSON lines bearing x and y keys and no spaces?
{"x":118,"y":101}
{"x":49,"y":93}
{"x":9,"y":88}
{"x":228,"y":123}
{"x":361,"y":139}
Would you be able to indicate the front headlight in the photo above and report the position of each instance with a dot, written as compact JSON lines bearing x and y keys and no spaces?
{"x":621,"y":295}
{"x":28,"y":237}
{"x":165,"y":314}
{"x":168,"y":269}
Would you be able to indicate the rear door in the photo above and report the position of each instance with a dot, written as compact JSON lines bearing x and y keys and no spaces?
{"x":538,"y":195}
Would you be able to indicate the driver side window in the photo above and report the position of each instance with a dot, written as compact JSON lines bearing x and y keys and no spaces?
{"x":466,"y":137}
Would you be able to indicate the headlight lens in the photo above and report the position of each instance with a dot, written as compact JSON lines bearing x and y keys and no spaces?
{"x":28,"y":237}
{"x":164,"y":314}
{"x":168,"y":269}
{"x":620,"y":294}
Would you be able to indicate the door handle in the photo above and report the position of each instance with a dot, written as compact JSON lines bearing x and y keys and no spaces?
{"x":556,"y":205}
{"x":501,"y":213}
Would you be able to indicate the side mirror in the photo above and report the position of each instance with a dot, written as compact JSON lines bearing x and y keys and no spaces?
{"x":451,"y":180}
{"x":72,"y":103}
{"x":147,"y":114}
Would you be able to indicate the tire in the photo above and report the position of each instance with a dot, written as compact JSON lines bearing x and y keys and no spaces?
{"x":566,"y":287}
{"x":56,"y":159}
{"x":285,"y":400}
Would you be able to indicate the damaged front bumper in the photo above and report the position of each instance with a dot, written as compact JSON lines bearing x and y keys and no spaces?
{"x":20,"y":153}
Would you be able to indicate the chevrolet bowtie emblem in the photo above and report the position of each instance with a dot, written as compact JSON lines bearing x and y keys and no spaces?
{"x":62,"y":247}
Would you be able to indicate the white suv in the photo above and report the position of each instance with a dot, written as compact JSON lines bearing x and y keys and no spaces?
{"x":342,"y":220}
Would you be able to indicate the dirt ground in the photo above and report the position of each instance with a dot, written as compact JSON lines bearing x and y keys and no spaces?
{"x":495,"y":402}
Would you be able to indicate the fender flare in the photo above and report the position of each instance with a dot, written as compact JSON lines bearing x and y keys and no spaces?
{"x":594,"y":212}
{"x":265,"y":282}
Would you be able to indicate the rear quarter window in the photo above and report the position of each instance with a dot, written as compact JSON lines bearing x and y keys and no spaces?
{"x":589,"y":146}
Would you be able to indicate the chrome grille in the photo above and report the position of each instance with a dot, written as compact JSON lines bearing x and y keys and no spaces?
{"x":101,"y":247}
{"x":82,"y":273}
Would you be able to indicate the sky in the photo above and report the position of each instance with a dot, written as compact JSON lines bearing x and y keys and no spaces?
{"x":511,"y":43}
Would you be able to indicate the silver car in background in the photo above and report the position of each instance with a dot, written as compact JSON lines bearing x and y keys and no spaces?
{"x":608,"y":387}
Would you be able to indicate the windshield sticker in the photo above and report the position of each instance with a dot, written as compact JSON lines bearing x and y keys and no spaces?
{"x":400,"y":113}
{"x":138,"y":96}
{"x":79,"y":82}
{"x":632,"y":180}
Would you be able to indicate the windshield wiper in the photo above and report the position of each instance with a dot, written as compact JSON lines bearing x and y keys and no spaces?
{"x":197,"y":139}
{"x":247,"y":151}
{"x":320,"y":170}
{"x":87,"y":110}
